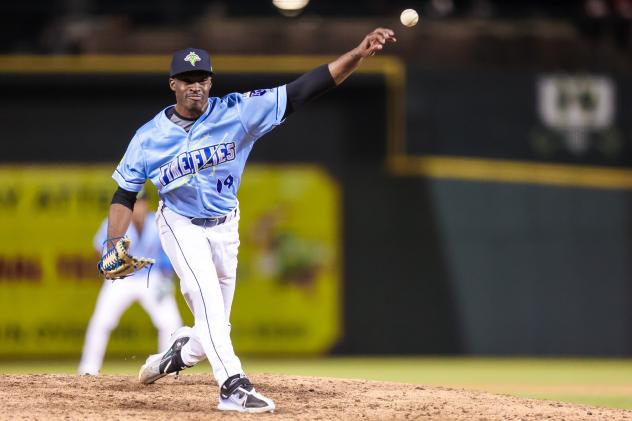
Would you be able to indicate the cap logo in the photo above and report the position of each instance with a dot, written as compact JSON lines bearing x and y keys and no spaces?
{"x":192,"y":58}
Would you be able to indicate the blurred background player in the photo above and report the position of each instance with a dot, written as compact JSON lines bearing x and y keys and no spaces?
{"x":155,"y":294}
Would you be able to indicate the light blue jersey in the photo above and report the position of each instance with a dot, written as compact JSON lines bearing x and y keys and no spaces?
{"x":198,"y":173}
{"x":145,"y":245}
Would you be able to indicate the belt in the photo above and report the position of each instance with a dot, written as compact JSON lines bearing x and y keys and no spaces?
{"x":211,"y":222}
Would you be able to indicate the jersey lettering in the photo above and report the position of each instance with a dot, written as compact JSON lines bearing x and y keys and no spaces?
{"x":192,"y":162}
{"x":221,"y":140}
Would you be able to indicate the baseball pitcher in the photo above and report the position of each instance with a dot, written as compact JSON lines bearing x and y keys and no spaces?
{"x":195,"y":152}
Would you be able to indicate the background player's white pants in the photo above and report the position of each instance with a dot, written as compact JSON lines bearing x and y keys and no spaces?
{"x":116,"y":297}
{"x":205,"y":260}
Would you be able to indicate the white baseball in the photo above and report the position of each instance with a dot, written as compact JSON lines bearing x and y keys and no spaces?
{"x":409,"y":17}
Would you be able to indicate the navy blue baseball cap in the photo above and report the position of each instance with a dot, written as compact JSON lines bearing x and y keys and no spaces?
{"x":190,"y":60}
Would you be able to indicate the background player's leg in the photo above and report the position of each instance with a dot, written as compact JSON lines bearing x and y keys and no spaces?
{"x":190,"y":254}
{"x":224,"y":241}
{"x":159,"y":302}
{"x":114,"y":299}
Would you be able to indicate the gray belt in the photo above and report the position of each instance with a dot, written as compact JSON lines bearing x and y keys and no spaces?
{"x":211,"y":222}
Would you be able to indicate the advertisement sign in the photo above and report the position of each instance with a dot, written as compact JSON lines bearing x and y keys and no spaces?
{"x":288,"y":282}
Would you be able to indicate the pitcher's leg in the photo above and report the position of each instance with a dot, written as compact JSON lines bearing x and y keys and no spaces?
{"x":193,"y":351}
{"x":224,"y":242}
{"x":189,"y":252}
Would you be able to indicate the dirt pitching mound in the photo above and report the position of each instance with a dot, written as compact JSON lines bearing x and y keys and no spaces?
{"x":194,"y":397}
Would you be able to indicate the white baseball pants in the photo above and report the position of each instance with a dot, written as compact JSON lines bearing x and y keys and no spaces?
{"x":205,"y":260}
{"x":116,"y":297}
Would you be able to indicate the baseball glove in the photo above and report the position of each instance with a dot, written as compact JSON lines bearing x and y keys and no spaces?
{"x":117,"y":263}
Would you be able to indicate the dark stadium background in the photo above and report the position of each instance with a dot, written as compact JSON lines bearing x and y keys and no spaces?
{"x":431,"y":264}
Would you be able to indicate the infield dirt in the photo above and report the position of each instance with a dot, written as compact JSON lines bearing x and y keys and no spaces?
{"x":194,"y":397}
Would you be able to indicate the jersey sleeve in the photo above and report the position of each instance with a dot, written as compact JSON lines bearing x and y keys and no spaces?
{"x":130,"y":173}
{"x":262,"y":110}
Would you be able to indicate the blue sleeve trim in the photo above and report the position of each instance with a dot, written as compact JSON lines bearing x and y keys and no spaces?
{"x":133,"y":187}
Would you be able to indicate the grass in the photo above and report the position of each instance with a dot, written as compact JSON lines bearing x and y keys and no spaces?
{"x":599,"y":382}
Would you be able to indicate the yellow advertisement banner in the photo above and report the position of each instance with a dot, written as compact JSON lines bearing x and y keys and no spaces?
{"x":288,"y":293}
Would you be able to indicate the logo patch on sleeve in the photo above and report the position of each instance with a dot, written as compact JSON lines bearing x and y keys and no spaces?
{"x":256,"y":92}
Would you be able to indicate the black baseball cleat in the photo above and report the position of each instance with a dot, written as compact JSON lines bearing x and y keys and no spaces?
{"x":238,"y":394}
{"x":158,"y":366}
